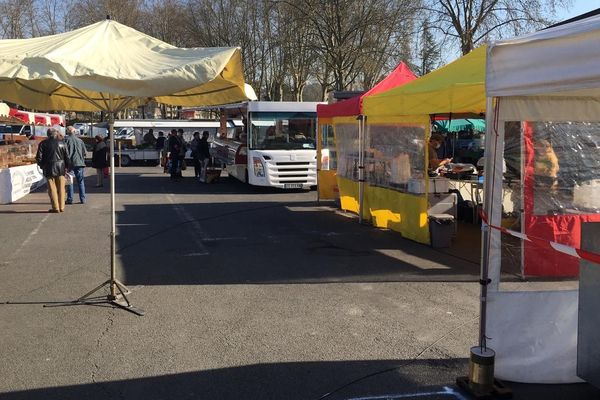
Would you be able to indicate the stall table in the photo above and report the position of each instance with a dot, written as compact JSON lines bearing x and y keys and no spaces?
{"x":17,"y":182}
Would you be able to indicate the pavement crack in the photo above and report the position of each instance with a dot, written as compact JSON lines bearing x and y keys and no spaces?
{"x":96,"y":365}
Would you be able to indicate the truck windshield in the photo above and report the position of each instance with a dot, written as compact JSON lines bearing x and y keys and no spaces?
{"x":282,"y":130}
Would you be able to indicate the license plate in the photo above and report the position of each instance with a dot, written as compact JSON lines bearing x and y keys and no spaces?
{"x":292,"y":186}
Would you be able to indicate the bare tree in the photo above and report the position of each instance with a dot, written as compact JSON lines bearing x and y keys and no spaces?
{"x":53,"y":16}
{"x":15,"y":19}
{"x":86,"y":12}
{"x":352,"y":34}
{"x":235,"y":23}
{"x":473,"y":21}
{"x":166,"y":20}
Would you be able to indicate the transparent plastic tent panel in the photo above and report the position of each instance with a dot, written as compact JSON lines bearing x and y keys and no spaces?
{"x":347,"y":144}
{"x":551,"y":186}
{"x":328,"y":148}
{"x":394,"y":154}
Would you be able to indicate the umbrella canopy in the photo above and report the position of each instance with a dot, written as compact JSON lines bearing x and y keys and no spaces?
{"x":108,"y":66}
{"x":81,"y":69}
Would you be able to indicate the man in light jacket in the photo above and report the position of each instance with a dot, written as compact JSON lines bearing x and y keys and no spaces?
{"x":76,"y":150}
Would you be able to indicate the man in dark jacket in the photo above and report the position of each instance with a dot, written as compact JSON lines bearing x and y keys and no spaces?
{"x":175,"y":149}
{"x":204,"y":154}
{"x":76,"y":151}
{"x":53,"y":159}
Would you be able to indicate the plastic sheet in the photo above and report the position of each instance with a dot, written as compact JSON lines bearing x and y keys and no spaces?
{"x":394,"y":154}
{"x":553,"y":170}
{"x":548,"y":191}
{"x":346,"y":138}
{"x":534,"y":335}
{"x":328,"y":150}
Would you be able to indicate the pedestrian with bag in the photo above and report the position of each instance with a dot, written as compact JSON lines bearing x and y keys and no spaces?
{"x":76,"y":150}
{"x":100,"y":160}
{"x":53,"y":159}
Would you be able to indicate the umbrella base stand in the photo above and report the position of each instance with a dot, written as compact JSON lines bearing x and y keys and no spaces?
{"x":119,"y":300}
{"x":497,"y":391}
{"x":480,"y":383}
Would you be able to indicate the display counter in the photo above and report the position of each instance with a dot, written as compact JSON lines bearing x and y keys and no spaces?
{"x":17,"y":182}
{"x":19,"y":174}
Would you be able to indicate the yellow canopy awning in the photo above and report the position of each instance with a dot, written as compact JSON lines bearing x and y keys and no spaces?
{"x":80,"y":69}
{"x":458,"y":87}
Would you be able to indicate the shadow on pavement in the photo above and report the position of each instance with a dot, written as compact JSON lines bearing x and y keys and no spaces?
{"x":420,"y":379}
{"x":268,"y":243}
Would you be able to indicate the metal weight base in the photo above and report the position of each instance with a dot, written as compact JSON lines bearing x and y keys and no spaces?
{"x":497,"y":391}
{"x":119,"y":300}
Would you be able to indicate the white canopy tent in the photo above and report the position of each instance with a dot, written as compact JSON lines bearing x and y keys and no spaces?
{"x":108,"y":67}
{"x":549,"y":83}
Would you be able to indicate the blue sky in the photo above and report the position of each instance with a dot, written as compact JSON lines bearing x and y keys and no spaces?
{"x":579,"y":7}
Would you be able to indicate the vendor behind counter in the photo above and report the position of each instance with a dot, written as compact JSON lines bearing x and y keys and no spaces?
{"x":434,"y":163}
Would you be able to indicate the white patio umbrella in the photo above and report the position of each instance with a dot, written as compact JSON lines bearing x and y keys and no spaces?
{"x":108,"y":67}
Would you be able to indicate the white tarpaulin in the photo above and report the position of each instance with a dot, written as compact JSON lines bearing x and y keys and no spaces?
{"x":551,"y":75}
{"x":17,"y":182}
{"x":552,"y":61}
{"x":534,"y":335}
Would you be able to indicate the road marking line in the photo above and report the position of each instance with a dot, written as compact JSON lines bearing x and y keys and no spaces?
{"x":448,"y":391}
{"x":186,"y":216}
{"x":28,"y":238}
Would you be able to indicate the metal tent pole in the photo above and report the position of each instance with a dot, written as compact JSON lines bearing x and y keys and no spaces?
{"x":361,"y":167}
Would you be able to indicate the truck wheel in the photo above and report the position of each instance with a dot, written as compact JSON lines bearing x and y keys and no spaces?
{"x":125,"y":161}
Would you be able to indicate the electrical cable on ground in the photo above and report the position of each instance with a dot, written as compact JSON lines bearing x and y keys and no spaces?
{"x":411,"y":361}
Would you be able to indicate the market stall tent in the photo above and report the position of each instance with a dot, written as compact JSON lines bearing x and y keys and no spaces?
{"x":108,"y":67}
{"x":344,"y":113}
{"x":456,"y":88}
{"x":354,"y":106}
{"x":546,"y":86}
{"x":398,"y":125}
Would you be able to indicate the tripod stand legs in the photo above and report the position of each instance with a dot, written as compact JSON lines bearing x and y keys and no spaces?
{"x":119,"y":300}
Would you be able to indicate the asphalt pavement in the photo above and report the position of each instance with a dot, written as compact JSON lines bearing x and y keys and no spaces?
{"x":248,"y":293}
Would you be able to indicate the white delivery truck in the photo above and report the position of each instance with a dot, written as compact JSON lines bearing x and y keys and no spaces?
{"x":275,"y":147}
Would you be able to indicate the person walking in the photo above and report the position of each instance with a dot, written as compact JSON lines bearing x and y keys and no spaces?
{"x":76,"y":151}
{"x":175,"y":148}
{"x":196,"y":155}
{"x":204,"y":155}
{"x":182,"y":152}
{"x":100,"y":160}
{"x":53,"y":159}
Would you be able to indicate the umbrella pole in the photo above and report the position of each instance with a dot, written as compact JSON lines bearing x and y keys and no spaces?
{"x":118,"y":299}
{"x":113,"y":225}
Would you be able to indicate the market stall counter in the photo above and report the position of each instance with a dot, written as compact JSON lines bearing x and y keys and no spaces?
{"x":19,"y":174}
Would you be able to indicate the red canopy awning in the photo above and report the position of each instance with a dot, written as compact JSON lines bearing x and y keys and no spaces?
{"x":353,"y":106}
{"x":24,"y":116}
{"x":56,"y":119}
